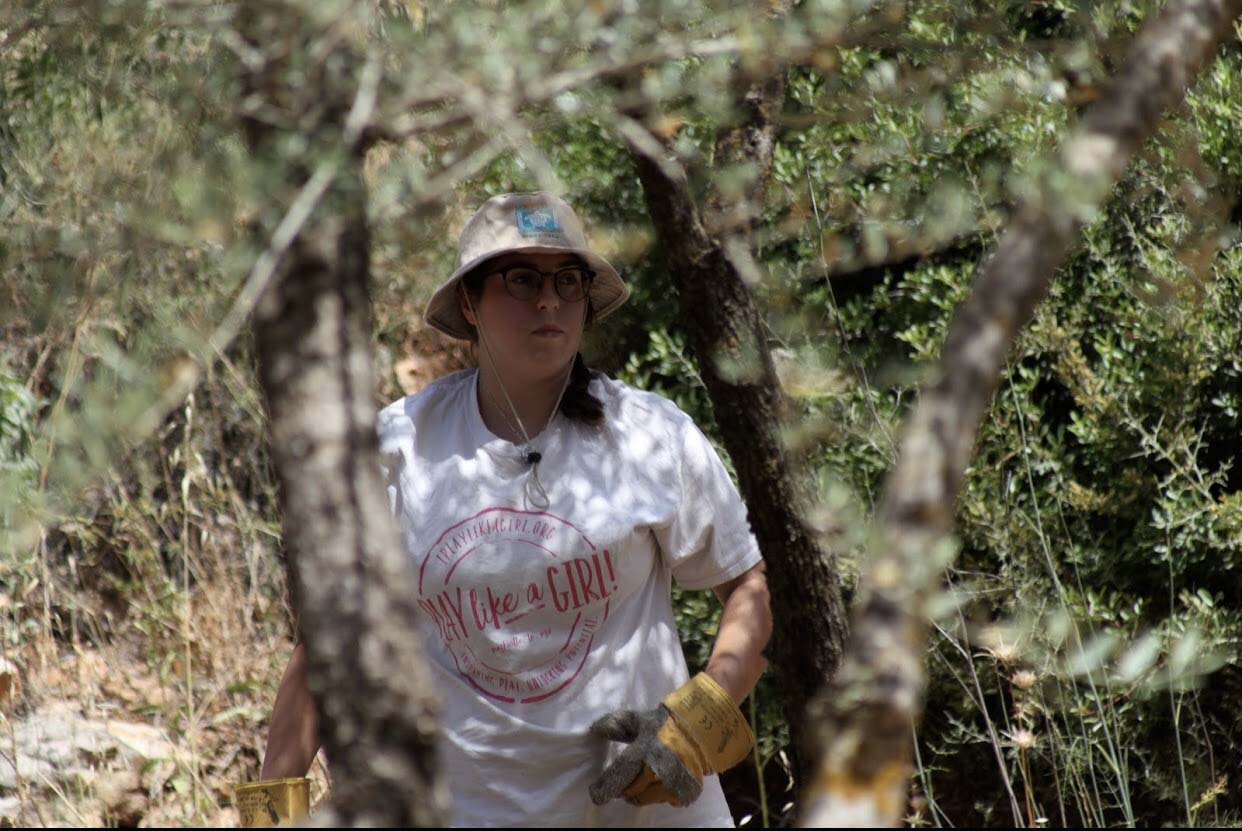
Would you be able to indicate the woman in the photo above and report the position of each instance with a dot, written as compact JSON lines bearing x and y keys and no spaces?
{"x":546,"y":510}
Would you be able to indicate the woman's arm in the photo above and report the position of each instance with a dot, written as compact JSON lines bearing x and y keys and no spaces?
{"x":737,"y":658}
{"x":692,"y":724}
{"x":293,"y":734}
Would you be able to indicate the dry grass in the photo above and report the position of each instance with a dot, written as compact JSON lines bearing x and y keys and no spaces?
{"x":162,"y":607}
{"x":198,"y":667}
{"x":155,"y":604}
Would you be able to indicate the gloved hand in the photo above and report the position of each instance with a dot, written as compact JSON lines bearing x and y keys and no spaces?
{"x":267,"y":803}
{"x":696,"y":731}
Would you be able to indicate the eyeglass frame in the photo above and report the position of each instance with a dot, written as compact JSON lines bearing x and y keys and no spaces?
{"x":587,"y":276}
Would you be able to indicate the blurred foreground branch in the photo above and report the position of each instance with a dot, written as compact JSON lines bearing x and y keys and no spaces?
{"x":876,"y":696}
{"x":313,"y":333}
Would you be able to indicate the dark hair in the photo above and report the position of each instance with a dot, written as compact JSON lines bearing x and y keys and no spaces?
{"x":577,"y":404}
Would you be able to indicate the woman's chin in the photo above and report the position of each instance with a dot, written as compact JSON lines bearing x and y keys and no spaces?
{"x":548,"y":364}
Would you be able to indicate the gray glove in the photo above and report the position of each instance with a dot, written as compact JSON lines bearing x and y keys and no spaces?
{"x":662,"y":764}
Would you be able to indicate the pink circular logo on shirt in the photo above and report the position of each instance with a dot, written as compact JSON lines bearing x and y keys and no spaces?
{"x":516,"y":598}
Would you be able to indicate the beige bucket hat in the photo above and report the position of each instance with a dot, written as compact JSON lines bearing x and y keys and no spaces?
{"x":531,"y":223}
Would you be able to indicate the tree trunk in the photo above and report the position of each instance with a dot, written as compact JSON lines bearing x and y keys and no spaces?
{"x":866,"y":729}
{"x":727,"y":333}
{"x":353,"y":585}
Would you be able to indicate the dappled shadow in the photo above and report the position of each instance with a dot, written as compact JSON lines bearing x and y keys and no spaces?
{"x":540,"y":620}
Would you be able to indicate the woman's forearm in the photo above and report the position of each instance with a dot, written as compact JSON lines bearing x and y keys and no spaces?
{"x":737,"y":658}
{"x":293,"y":734}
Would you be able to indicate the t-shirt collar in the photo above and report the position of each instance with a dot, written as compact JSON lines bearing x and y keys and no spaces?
{"x":497,"y":447}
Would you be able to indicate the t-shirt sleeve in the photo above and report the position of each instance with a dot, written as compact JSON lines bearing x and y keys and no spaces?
{"x":707,"y":539}
{"x":393,"y":429}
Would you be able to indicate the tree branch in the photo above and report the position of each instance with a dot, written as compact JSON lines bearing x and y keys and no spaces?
{"x":729,"y":338}
{"x":449,"y":110}
{"x":870,"y":705}
{"x":312,"y":324}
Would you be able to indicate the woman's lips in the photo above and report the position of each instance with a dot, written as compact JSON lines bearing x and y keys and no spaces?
{"x":548,"y":331}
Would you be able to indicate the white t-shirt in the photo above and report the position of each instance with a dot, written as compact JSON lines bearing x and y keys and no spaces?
{"x":537,"y":622}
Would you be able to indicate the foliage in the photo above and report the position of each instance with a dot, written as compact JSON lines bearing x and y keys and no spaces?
{"x":1086,"y":649}
{"x":1101,"y":508}
{"x":17,"y":410}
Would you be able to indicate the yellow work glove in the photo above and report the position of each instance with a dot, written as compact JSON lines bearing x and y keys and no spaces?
{"x":268,"y":803}
{"x":697,"y":730}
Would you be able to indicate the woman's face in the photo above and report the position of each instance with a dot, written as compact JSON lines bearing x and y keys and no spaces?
{"x":528,"y":340}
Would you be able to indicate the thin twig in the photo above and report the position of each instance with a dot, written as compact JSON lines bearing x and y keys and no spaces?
{"x":448,"y":178}
{"x":364,"y":101}
{"x":191,"y":719}
{"x":186,"y":374}
{"x":859,"y":369}
{"x":987,"y":719}
{"x":494,"y":116}
{"x":1116,"y":763}
{"x":650,"y":146}
{"x":564,"y":81}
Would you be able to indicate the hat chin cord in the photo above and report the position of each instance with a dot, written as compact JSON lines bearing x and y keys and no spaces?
{"x":536,"y":494}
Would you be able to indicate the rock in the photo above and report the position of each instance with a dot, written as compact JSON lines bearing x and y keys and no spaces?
{"x":11,"y":811}
{"x":136,"y":690}
{"x":155,"y":776}
{"x":112,"y":787}
{"x":114,"y":763}
{"x":121,"y":797}
{"x":142,"y":740}
{"x":57,"y":743}
{"x":49,"y":744}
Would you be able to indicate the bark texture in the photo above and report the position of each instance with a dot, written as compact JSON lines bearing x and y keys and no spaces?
{"x":863,"y":776}
{"x":377,"y":721}
{"x":312,"y":325}
{"x":729,"y":339}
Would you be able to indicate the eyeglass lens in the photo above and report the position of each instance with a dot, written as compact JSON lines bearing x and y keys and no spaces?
{"x":525,"y":283}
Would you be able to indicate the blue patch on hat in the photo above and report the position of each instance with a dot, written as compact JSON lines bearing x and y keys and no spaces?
{"x":534,"y":221}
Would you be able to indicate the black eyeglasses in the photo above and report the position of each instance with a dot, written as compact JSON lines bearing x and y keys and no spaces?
{"x":525,"y":282}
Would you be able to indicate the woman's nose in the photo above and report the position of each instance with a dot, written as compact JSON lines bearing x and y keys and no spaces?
{"x":548,"y":298}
